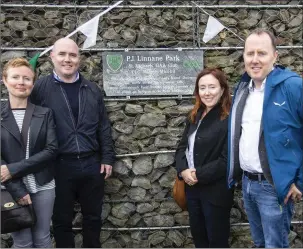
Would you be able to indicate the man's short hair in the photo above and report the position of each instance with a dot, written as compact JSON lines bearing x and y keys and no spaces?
{"x":264,"y":31}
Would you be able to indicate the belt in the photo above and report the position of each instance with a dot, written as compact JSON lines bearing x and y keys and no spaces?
{"x":255,"y":176}
{"x":76,"y":155}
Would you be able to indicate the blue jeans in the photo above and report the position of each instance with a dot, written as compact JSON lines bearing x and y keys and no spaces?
{"x":269,"y":221}
{"x":39,"y":235}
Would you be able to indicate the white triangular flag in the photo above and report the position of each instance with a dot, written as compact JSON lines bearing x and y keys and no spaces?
{"x":213,"y":27}
{"x":90,"y":29}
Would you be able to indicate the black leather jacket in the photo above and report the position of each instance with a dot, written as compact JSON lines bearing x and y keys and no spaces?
{"x":42,"y":151}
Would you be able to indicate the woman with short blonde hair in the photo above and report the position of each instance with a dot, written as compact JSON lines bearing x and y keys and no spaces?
{"x":27,"y":154}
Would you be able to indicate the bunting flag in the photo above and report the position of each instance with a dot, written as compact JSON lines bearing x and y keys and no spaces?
{"x":213,"y":27}
{"x":33,"y":61}
{"x":89,"y":29}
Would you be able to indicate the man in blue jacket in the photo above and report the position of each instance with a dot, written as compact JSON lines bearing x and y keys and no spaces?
{"x":86,"y":153}
{"x":266,"y":141}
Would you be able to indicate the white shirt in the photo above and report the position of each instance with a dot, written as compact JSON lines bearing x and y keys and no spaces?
{"x":250,"y":136}
{"x":191,"y":146}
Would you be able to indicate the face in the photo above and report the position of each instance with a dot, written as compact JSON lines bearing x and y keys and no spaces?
{"x":66,"y":59}
{"x":210,"y":91}
{"x":259,"y":57}
{"x":19,"y":81}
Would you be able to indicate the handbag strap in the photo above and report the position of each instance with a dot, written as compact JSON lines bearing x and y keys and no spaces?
{"x":26,"y":122}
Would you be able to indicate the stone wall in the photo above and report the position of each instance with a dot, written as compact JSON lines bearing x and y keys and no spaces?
{"x":138,"y":196}
{"x":150,"y":28}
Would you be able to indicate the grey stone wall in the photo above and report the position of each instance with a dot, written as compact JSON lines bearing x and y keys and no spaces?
{"x":153,"y":28}
{"x":138,"y":196}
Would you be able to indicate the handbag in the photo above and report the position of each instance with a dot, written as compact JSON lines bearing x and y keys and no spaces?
{"x":179,"y":193}
{"x":15,"y":217}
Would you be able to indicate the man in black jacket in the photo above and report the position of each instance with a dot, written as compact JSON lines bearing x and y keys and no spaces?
{"x":86,"y":153}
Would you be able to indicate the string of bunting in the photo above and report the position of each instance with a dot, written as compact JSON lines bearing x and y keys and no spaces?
{"x":90,"y":30}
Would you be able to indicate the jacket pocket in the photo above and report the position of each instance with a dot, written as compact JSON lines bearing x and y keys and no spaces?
{"x":284,"y":139}
{"x":280,"y":145}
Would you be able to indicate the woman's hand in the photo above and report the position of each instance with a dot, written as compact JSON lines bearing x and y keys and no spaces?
{"x":25,"y":200}
{"x":193,"y":174}
{"x":189,"y":176}
{"x":5,"y":174}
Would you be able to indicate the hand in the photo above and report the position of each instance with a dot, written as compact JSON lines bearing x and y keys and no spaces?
{"x":294,"y":193}
{"x":193,"y":174}
{"x":5,"y":174}
{"x":25,"y":200}
{"x":108,"y":170}
{"x":188,"y":177}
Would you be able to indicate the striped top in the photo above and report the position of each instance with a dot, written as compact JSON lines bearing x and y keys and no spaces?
{"x":29,"y":180}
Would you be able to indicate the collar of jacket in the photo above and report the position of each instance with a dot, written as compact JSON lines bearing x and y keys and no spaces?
{"x":83,"y":81}
{"x":6,"y":109}
{"x":214,"y":112}
{"x":274,"y":78}
{"x":56,"y":76}
{"x":8,"y":120}
{"x":9,"y":123}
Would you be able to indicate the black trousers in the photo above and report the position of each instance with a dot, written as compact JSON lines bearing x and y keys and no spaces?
{"x":209,"y":224}
{"x":78,"y":179}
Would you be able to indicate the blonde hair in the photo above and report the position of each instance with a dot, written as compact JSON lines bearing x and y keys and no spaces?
{"x":17,"y":62}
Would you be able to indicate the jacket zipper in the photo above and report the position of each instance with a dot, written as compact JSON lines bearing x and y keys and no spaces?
{"x":79,"y":106}
{"x":72,"y":117}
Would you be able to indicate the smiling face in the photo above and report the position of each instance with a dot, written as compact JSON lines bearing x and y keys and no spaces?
{"x":259,"y":57}
{"x":210,"y":91}
{"x":19,"y":81}
{"x":66,"y":59}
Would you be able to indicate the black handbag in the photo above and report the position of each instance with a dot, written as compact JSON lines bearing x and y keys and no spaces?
{"x":15,"y":217}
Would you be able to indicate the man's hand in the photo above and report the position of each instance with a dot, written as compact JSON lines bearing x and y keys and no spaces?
{"x":294,"y":193}
{"x":189,"y":177}
{"x":5,"y":174}
{"x":25,"y":200}
{"x":108,"y":170}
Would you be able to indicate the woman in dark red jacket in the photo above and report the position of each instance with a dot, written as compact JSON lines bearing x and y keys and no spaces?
{"x":201,"y":160}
